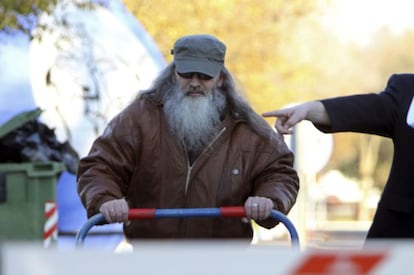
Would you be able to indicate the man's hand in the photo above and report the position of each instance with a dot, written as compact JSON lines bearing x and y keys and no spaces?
{"x":314,"y":111}
{"x":258,"y":208}
{"x":115,"y":210}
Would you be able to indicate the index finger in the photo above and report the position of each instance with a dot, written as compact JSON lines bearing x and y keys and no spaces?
{"x":273,"y":113}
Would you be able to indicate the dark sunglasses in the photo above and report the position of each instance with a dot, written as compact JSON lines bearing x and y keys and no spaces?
{"x":190,"y":75}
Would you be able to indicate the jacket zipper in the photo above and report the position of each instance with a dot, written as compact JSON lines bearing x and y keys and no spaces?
{"x":190,"y":167}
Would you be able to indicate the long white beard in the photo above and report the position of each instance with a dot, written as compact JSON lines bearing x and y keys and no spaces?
{"x":193,"y":119}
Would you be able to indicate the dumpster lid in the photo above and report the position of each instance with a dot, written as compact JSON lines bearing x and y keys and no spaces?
{"x":19,"y":120}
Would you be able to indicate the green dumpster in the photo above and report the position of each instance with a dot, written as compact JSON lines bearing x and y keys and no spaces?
{"x":28,"y":209}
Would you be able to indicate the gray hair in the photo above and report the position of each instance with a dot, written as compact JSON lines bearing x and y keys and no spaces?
{"x":161,"y":87}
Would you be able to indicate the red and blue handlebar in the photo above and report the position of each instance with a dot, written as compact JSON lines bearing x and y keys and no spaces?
{"x":152,"y":213}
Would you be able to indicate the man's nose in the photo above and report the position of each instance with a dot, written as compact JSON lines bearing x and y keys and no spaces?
{"x":195,"y":80}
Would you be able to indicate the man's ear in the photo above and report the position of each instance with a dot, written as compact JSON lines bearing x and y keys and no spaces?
{"x":220,"y":81}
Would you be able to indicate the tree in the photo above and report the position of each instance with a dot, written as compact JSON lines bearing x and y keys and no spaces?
{"x":23,"y":15}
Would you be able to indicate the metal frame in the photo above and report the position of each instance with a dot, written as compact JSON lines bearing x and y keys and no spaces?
{"x":150,"y":213}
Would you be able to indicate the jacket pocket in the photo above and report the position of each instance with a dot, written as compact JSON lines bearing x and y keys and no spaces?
{"x":239,"y":178}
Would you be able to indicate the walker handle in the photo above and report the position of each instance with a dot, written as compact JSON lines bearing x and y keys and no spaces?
{"x":151,"y":213}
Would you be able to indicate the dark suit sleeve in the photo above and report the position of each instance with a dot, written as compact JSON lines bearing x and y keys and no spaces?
{"x":372,"y":113}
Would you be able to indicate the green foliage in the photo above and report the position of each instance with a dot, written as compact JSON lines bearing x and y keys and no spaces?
{"x":24,"y":15}
{"x":17,"y":15}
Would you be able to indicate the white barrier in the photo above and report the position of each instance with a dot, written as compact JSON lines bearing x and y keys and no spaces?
{"x":206,"y":258}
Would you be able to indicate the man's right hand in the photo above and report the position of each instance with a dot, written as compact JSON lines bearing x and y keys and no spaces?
{"x":287,"y":118}
{"x":115,"y":210}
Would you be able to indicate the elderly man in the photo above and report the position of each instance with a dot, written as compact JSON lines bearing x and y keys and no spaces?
{"x":190,"y":141}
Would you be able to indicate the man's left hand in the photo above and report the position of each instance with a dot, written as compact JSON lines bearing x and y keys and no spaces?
{"x":258,"y":208}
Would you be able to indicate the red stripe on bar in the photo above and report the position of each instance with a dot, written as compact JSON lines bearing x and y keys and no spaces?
{"x":141,"y":213}
{"x":50,"y":232}
{"x":50,"y":212}
{"x":232,"y":211}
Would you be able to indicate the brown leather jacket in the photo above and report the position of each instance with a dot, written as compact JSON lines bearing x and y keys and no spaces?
{"x":138,"y":158}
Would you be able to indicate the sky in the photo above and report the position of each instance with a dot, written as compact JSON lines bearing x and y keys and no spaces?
{"x":357,"y":20}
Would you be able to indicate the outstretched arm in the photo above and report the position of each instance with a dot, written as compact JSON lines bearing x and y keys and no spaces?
{"x":314,"y":111}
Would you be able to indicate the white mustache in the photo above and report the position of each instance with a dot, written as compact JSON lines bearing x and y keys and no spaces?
{"x":195,"y":90}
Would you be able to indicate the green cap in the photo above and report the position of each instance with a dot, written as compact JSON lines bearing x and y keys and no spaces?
{"x":200,"y":53}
